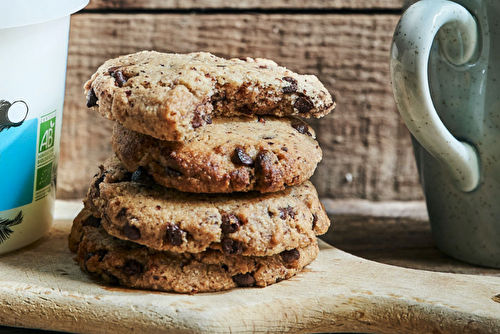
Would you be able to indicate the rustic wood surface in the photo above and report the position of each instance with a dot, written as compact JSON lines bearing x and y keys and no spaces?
{"x":395,"y":233}
{"x":41,"y":287}
{"x":367,"y":149}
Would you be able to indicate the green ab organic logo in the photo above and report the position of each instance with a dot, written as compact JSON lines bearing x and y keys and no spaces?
{"x":47,"y":132}
{"x":45,"y":153}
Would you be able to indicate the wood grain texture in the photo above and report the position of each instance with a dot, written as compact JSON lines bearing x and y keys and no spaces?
{"x":367,"y":149}
{"x":391,"y":232}
{"x":244,"y":4}
{"x":338,"y":292}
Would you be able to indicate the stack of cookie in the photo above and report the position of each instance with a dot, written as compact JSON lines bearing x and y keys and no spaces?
{"x":209,"y":187}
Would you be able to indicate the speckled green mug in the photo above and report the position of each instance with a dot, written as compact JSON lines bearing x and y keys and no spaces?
{"x":445,"y":71}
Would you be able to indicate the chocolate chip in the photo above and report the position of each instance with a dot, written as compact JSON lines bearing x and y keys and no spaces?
{"x":315,"y":220}
{"x":244,"y":279}
{"x":285,"y":212}
{"x":225,"y":267}
{"x":261,"y":119}
{"x":303,"y":104}
{"x":292,"y":88}
{"x":231,"y":247}
{"x":201,"y":115}
{"x":132,"y":267}
{"x":141,"y":176}
{"x":230,"y":224}
{"x":131,"y":232}
{"x":197,"y":120}
{"x":174,"y":235}
{"x":92,"y":221}
{"x":172,"y":172}
{"x":91,"y":98}
{"x":301,"y":127}
{"x":240,"y":157}
{"x":120,"y":79}
{"x":289,"y":256}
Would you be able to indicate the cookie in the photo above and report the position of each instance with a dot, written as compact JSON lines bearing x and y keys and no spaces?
{"x":84,"y":218}
{"x":129,"y":264}
{"x":171,"y":96}
{"x":132,"y":207}
{"x":233,"y":154}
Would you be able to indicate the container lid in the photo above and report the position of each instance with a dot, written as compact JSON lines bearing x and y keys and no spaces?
{"x":25,"y":12}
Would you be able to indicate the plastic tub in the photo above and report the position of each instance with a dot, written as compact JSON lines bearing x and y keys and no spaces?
{"x":33,"y":55}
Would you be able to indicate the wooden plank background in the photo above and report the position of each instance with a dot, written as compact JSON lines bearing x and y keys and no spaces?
{"x":367,"y":149}
{"x":261,"y":4}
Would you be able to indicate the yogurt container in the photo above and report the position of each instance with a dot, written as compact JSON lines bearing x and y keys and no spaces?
{"x":33,"y":55}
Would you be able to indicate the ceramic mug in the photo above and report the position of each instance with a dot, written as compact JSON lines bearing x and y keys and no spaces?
{"x":445,"y":74}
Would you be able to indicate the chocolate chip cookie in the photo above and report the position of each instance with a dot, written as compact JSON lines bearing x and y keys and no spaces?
{"x":132,"y":207}
{"x":132,"y":265}
{"x":171,"y":96}
{"x":234,"y":154}
{"x":84,"y":218}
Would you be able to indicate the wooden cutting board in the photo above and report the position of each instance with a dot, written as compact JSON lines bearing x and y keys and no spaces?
{"x":42,"y":287}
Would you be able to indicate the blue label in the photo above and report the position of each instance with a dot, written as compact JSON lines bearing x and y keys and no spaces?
{"x":17,"y":164}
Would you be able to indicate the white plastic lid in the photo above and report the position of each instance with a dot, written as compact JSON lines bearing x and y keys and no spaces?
{"x":16,"y":13}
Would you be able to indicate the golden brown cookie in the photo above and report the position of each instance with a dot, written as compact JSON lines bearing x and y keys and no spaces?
{"x":133,"y":207}
{"x":132,"y":265}
{"x":171,"y":96}
{"x":233,"y":154}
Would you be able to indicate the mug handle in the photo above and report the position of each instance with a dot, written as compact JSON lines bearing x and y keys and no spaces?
{"x":410,"y":53}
